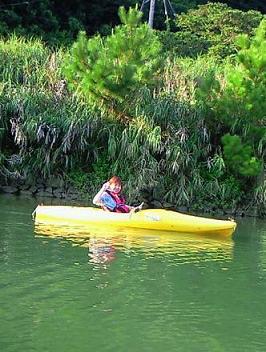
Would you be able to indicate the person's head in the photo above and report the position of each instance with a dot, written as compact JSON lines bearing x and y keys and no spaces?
{"x":115,"y":184}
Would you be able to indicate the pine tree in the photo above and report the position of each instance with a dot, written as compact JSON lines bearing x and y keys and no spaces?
{"x":106,"y":70}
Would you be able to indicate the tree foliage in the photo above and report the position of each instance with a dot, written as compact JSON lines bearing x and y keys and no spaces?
{"x":215,"y":27}
{"x":107,"y":69}
{"x":239,"y":157}
{"x":185,"y":5}
{"x":56,"y":22}
{"x":59,"y":23}
{"x":237,"y":99}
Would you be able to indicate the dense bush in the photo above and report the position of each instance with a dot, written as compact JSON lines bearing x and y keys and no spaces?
{"x":212,"y":29}
{"x":239,"y":157}
{"x":55,"y":22}
{"x":236,"y":99}
{"x":58,"y":23}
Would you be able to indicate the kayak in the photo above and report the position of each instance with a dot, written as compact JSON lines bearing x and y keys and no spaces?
{"x":151,"y":219}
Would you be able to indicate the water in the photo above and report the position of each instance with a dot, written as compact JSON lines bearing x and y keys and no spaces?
{"x":118,"y":292}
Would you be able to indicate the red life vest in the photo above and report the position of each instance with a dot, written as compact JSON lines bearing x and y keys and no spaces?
{"x":121,"y":207}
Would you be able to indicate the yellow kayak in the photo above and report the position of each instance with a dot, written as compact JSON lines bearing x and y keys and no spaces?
{"x":152,"y":219}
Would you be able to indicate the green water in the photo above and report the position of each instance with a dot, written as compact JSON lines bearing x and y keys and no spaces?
{"x":121,"y":294}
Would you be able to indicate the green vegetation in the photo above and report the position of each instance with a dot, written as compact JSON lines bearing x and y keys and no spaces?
{"x":239,"y":158}
{"x":212,"y":29}
{"x":188,"y":125}
{"x":107,"y":69}
{"x":236,"y":101}
{"x":58,"y":23}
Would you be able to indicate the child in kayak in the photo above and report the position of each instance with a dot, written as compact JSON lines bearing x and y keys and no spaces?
{"x":109,"y":197}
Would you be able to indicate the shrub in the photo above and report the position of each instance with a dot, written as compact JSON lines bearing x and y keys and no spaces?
{"x":239,"y":157}
{"x":236,"y":100}
{"x":216,"y":26}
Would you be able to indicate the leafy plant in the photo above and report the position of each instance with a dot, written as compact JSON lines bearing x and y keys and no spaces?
{"x":235,"y":102}
{"x":239,"y":158}
{"x":78,"y":179}
{"x":216,"y":26}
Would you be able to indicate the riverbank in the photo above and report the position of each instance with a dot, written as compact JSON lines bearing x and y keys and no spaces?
{"x":179,"y":141}
{"x":54,"y":190}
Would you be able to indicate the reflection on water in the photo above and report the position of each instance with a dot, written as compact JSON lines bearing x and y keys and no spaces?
{"x":104,"y":245}
{"x":100,"y":251}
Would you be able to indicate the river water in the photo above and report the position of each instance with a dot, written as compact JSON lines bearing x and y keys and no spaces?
{"x":74,"y":292}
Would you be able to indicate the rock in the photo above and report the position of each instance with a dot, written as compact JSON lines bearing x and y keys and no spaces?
{"x":33,"y":189}
{"x":71,"y":190}
{"x":49,"y":190}
{"x":252,"y":211}
{"x":55,"y":182}
{"x":40,"y":184}
{"x":58,"y":190}
{"x":156,"y":204}
{"x":26,"y":192}
{"x":24,"y":187}
{"x":72,"y":196}
{"x":240,"y":212}
{"x":219,"y":212}
{"x":143,"y":199}
{"x":44,"y":194}
{"x":29,"y":182}
{"x":9,"y":189}
{"x":229,"y":211}
{"x":182,"y":209}
{"x":57,"y":193}
{"x":167,"y":205}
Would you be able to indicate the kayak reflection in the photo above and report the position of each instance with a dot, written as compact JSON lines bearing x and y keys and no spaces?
{"x":103,"y":245}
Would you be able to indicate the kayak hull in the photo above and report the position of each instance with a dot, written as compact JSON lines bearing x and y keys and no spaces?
{"x":152,"y":219}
